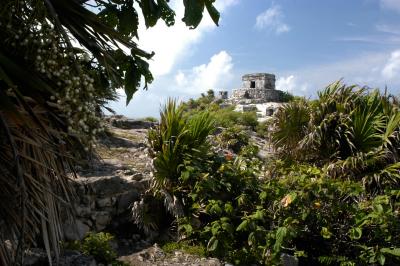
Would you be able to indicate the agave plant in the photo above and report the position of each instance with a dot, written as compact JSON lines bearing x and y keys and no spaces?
{"x":174,"y":142}
{"x":174,"y":138}
{"x":290,"y":126}
{"x":351,"y":130}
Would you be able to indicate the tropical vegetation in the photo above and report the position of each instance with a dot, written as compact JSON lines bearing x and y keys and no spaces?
{"x":60,"y":62}
{"x":329,"y":196}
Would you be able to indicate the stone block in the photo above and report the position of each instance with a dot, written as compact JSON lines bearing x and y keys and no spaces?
{"x":75,"y":231}
{"x":101,"y":219}
{"x":105,"y":202}
{"x":126,"y":199}
{"x":83,"y":211}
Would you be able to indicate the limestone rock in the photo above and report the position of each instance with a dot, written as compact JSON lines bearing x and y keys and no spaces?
{"x":126,"y":123}
{"x":126,"y":199}
{"x":101,"y":219}
{"x":75,"y":231}
{"x":105,"y":202}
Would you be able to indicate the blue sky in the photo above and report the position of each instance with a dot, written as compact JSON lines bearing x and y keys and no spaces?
{"x":307,"y":44}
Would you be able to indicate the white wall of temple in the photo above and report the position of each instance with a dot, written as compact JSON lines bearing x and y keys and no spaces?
{"x":264,"y":110}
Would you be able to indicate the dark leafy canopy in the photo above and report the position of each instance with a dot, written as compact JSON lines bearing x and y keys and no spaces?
{"x":60,"y":62}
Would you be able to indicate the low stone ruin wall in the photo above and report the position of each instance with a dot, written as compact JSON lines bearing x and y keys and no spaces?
{"x":257,"y":95}
{"x":100,"y":200}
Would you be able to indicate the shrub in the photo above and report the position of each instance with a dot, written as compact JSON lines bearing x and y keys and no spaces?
{"x":323,"y":220}
{"x":262,"y":129}
{"x":184,"y":246}
{"x":248,"y":119}
{"x":233,"y":138}
{"x":98,"y":245}
{"x":150,"y":119}
{"x":321,"y":212}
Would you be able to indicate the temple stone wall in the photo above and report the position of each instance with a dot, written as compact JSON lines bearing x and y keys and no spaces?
{"x":257,"y":95}
{"x":257,"y":88}
{"x":261,"y":81}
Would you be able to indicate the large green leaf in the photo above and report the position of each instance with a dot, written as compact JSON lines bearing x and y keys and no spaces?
{"x":128,"y":19}
{"x":212,"y":244}
{"x":214,"y":14}
{"x":391,"y":251}
{"x":193,"y":12}
{"x":280,"y":235}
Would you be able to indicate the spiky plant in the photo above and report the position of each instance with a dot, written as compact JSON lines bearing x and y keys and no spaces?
{"x":354,"y":132}
{"x":173,"y":138}
{"x":175,"y":141}
{"x":290,"y":126}
{"x":60,"y":62}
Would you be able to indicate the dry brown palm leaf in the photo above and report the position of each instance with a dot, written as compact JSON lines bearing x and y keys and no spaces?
{"x":33,"y":180}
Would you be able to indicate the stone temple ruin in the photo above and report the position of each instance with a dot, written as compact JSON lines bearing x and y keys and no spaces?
{"x":257,"y":93}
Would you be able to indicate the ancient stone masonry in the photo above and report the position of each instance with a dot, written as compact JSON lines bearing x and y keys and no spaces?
{"x":257,"y":93}
{"x":257,"y":88}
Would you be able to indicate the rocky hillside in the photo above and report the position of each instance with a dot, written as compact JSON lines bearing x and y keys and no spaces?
{"x":106,"y":191}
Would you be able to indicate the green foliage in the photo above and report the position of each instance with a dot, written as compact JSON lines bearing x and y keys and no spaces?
{"x":287,"y":97}
{"x":331,"y":197}
{"x":60,"y":62}
{"x":233,"y":138}
{"x":352,"y":132}
{"x":291,"y":123}
{"x":184,"y":246}
{"x":150,"y":119}
{"x":175,"y":138}
{"x":225,"y":117}
{"x":96,"y":245}
{"x":328,"y":218}
{"x":263,"y":129}
{"x":248,"y":119}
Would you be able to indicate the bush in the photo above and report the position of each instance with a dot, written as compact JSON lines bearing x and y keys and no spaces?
{"x":262,"y":129}
{"x":184,"y":246}
{"x":150,"y":119}
{"x":225,"y":117}
{"x":233,"y":138}
{"x":98,"y":245}
{"x":316,"y":211}
{"x":248,"y":119}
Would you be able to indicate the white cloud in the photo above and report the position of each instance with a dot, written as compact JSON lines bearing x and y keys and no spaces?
{"x":375,"y":70}
{"x":216,"y":74}
{"x":180,"y":79}
{"x":272,"y":19}
{"x":392,"y":67}
{"x":286,"y":83}
{"x":391,"y":4}
{"x":387,"y":34}
{"x":291,"y":84}
{"x":172,"y":43}
{"x":386,"y":28}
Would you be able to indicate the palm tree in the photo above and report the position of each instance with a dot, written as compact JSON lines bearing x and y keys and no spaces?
{"x":60,"y":62}
{"x":290,"y":127}
{"x":351,"y":131}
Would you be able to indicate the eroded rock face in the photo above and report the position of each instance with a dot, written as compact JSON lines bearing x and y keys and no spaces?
{"x":106,"y":191}
{"x":155,"y":256}
{"x":126,"y":123}
{"x":100,"y":199}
